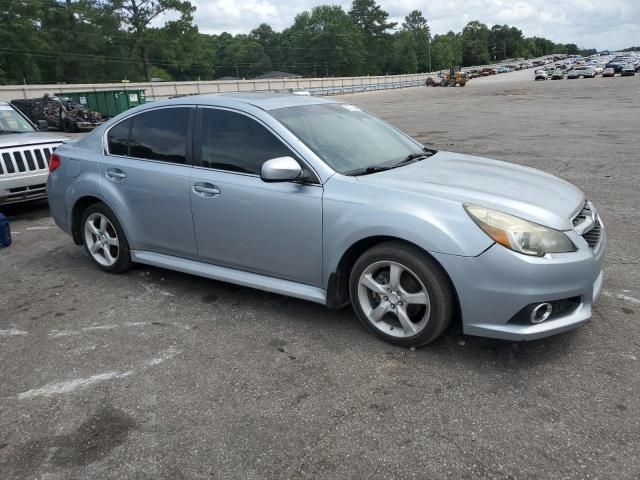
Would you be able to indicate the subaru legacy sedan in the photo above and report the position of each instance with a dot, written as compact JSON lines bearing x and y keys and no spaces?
{"x":320,"y":200}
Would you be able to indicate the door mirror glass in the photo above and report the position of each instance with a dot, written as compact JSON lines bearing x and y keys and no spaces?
{"x":281,"y":169}
{"x":43,"y":125}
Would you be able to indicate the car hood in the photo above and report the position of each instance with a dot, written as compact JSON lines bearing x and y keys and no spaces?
{"x":35,"y":138}
{"x":522,"y":191}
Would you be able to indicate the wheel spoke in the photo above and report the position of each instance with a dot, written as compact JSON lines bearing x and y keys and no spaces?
{"x":420,"y":298}
{"x":395,"y":272}
{"x":93,"y":229}
{"x":407,"y":325}
{"x":94,"y":247}
{"x":369,"y":282}
{"x":103,"y":224}
{"x":377,"y":313}
{"x":113,"y":241}
{"x":107,"y":255}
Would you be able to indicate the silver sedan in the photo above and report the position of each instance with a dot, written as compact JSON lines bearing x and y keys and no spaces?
{"x":323,"y":201}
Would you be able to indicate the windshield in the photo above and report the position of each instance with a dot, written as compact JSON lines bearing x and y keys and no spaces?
{"x":12,"y":121}
{"x":348,"y":139}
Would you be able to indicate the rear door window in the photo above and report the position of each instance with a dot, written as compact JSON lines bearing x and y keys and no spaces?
{"x":118,"y":138}
{"x":160,"y":135}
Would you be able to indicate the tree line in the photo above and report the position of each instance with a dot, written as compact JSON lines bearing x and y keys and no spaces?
{"x":89,"y":41}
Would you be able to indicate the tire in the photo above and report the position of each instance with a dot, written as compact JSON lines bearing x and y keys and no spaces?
{"x":110,"y":256}
{"x":411,"y":312}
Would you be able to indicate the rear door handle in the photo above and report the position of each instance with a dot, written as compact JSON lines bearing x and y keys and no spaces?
{"x":206,"y":190}
{"x":116,"y":174}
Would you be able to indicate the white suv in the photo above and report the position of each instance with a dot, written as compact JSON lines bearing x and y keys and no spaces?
{"x":24,"y":156}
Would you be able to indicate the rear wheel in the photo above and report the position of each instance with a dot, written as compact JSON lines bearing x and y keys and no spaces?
{"x":104,"y":239}
{"x":401,"y":294}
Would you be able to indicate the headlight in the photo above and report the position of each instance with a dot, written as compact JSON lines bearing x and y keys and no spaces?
{"x":518,"y":234}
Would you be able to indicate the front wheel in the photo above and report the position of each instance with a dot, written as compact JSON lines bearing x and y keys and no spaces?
{"x":104,"y":239}
{"x":401,"y":294}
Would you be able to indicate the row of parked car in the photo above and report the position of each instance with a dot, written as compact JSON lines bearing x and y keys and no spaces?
{"x":625,"y":65}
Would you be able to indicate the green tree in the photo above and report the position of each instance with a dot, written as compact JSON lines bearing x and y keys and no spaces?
{"x":370,"y":17}
{"x":326,"y":41}
{"x":373,"y":22}
{"x":271,"y":42}
{"x":181,"y":51}
{"x":475,"y":44}
{"x":572,"y":49}
{"x":446,"y":50}
{"x":507,"y":42}
{"x":242,"y":56}
{"x":404,"y":58}
{"x":23,"y":49}
{"x":137,"y":15}
{"x":417,"y":25}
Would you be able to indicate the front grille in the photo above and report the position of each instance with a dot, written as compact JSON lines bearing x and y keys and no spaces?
{"x":21,"y":160}
{"x":587,"y":225}
{"x":578,"y":219}
{"x":593,"y":236}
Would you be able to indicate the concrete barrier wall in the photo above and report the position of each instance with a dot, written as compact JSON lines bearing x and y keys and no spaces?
{"x":164,"y":90}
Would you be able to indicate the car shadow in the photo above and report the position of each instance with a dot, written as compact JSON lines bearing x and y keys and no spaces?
{"x":346,"y":332}
{"x":30,"y":211}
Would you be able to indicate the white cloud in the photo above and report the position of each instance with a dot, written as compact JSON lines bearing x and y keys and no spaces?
{"x":518,"y":12}
{"x":601,"y":24}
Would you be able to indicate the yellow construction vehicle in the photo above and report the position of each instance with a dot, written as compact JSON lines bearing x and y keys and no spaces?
{"x":454,"y":77}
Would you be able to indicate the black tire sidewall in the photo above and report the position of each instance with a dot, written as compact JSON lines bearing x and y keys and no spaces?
{"x":436,"y":282}
{"x":123,"y":262}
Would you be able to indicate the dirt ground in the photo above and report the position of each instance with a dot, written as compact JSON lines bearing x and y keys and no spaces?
{"x":159,"y":375}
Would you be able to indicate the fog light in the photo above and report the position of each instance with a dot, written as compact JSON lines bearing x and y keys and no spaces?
{"x":540,"y":313}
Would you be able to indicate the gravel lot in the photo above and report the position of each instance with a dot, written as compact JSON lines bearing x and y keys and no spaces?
{"x":159,"y":375}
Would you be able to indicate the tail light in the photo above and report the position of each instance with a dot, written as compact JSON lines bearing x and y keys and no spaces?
{"x":54,"y":162}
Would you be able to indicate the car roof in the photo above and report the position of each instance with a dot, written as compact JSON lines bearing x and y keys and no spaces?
{"x":262,"y":100}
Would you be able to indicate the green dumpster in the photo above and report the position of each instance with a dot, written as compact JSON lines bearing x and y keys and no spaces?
{"x":109,"y":102}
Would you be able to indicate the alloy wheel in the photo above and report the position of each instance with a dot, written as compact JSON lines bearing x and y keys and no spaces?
{"x":394,"y":299}
{"x":101,"y":239}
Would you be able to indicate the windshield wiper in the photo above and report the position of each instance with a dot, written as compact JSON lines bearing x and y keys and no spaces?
{"x":12,"y":131}
{"x":426,"y":153}
{"x":367,"y":171}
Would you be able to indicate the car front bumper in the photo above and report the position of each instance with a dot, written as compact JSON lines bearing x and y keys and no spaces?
{"x":494,"y":286}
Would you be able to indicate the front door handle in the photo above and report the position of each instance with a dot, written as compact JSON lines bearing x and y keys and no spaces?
{"x":206,"y":190}
{"x":116,"y":174}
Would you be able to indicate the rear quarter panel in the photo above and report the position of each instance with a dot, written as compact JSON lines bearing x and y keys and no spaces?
{"x":77,"y":177}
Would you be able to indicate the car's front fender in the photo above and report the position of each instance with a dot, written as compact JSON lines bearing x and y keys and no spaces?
{"x":441,"y":227}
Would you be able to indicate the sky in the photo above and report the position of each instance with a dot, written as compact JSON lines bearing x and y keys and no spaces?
{"x":601,"y":24}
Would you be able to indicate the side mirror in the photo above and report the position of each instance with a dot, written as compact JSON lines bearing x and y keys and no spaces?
{"x":281,"y":169}
{"x":42,"y":125}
